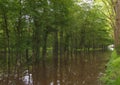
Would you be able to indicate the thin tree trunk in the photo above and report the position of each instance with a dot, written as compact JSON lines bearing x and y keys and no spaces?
{"x":55,"y":46}
{"x":36,"y":41}
{"x":44,"y":50}
{"x":61,"y":43}
{"x":5,"y":19}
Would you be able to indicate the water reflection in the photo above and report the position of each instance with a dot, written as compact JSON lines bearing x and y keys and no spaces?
{"x":82,"y":69}
{"x":27,"y":78}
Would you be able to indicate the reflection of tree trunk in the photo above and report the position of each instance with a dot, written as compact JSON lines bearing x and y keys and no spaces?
{"x":82,"y":68}
{"x":35,"y":74}
{"x":55,"y":72}
{"x":44,"y":74}
{"x":61,"y":73}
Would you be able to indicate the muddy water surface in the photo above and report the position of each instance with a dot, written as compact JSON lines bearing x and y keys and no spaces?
{"x":82,"y":69}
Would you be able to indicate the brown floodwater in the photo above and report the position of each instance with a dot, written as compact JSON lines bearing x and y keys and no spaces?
{"x":81,"y":69}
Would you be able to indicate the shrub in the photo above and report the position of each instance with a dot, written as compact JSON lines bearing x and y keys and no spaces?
{"x":112,"y":74}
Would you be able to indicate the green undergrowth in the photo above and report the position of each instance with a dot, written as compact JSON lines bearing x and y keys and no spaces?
{"x":112,"y":73}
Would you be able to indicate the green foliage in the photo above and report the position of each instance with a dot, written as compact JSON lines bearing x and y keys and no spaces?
{"x":90,"y":26}
{"x":112,"y":74}
{"x":34,"y":26}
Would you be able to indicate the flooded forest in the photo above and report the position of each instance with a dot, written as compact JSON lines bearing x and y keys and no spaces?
{"x":55,"y":42}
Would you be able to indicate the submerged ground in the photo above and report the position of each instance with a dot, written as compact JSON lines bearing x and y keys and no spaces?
{"x":81,"y":69}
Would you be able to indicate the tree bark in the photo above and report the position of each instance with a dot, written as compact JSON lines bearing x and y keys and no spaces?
{"x":44,"y":49}
{"x":117,"y":27}
{"x":55,"y":46}
{"x":61,"y":43}
{"x":5,"y":24}
{"x":36,"y":41}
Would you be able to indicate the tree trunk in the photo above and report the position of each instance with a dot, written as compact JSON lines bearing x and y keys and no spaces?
{"x":55,"y":46}
{"x":36,"y":47}
{"x":36,"y":41}
{"x":61,"y":43}
{"x":5,"y":24}
{"x":117,"y":27}
{"x":44,"y":49}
